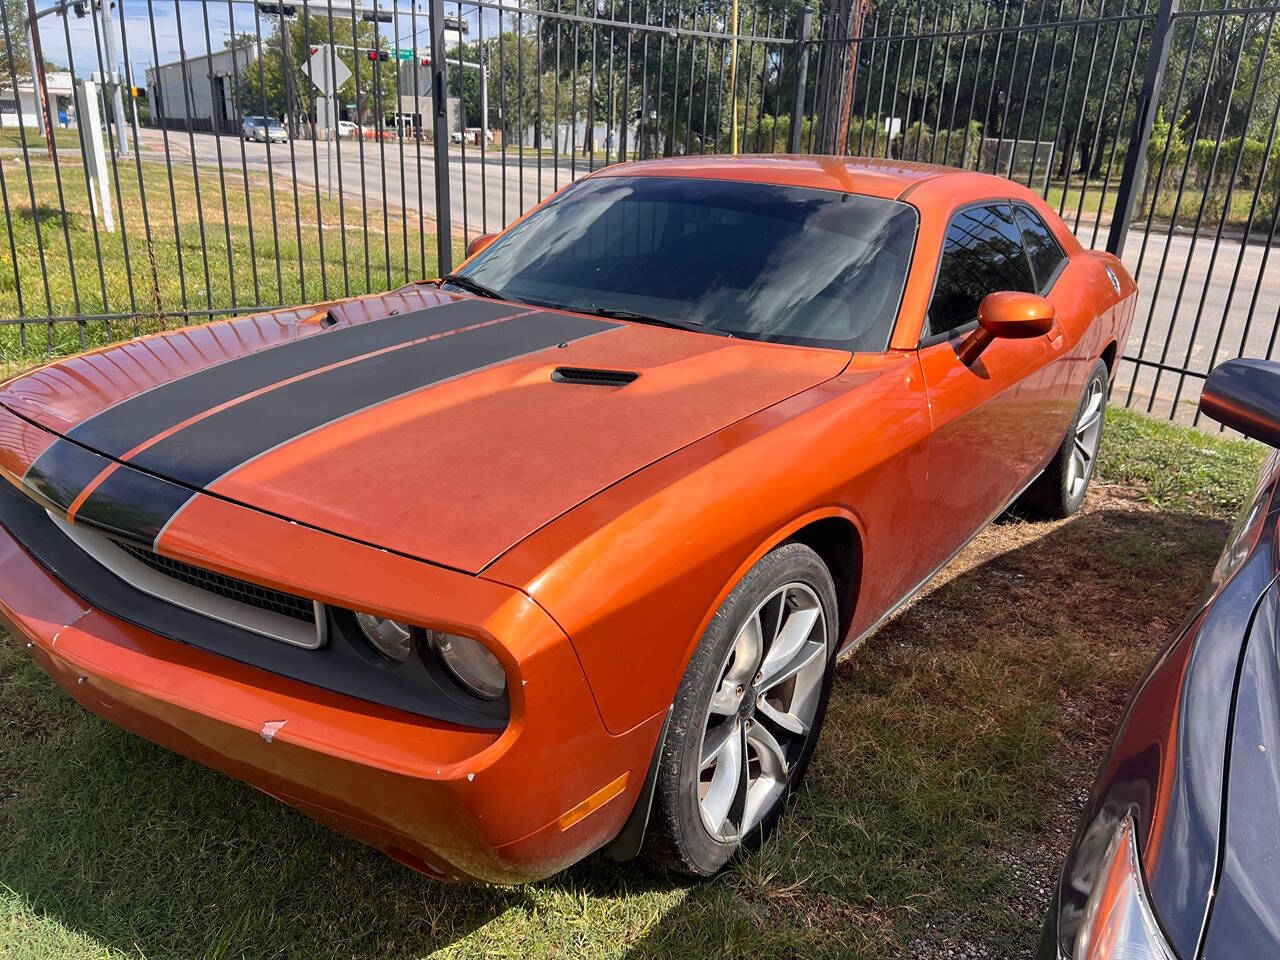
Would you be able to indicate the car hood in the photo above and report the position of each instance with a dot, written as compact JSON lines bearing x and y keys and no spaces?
{"x":443,"y":427}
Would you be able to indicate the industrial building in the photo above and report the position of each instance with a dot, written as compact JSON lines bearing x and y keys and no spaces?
{"x":198,"y":93}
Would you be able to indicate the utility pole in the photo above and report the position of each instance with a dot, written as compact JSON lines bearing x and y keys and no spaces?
{"x":111,"y":41}
{"x":440,"y":132}
{"x":286,"y":49}
{"x":857,"y":10}
{"x":37,"y":76}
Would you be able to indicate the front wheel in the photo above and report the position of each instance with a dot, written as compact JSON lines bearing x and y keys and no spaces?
{"x":748,"y":712}
{"x":1059,"y":491}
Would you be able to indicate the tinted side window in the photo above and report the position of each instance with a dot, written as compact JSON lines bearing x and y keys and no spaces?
{"x":1042,"y":247}
{"x":981,"y":253}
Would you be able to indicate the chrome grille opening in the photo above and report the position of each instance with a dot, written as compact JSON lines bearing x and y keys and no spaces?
{"x":272,"y":613}
{"x":264,"y":598}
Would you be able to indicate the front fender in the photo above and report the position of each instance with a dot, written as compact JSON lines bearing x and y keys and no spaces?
{"x":634,"y":575}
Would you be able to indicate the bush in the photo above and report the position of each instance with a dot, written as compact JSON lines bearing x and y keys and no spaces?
{"x":770,"y":134}
{"x":959,"y":147}
{"x":1250,"y":162}
{"x":867,"y":137}
{"x":915,"y":142}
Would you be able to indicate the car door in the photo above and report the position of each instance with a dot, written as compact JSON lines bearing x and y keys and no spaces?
{"x":997,"y":420}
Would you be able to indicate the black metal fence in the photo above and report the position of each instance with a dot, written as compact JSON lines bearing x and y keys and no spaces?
{"x":1151,"y":129}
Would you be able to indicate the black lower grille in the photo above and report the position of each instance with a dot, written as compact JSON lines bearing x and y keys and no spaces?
{"x":250,"y":594}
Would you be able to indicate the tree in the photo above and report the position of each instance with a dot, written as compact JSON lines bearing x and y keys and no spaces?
{"x":275,"y":84}
{"x":15,"y":56}
{"x":15,"y":59}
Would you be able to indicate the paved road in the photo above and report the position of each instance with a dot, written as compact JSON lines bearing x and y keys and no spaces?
{"x":1196,"y":304}
{"x":402,"y":173}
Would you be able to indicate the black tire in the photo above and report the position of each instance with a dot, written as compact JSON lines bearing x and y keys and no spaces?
{"x":678,"y":837}
{"x":1057,"y":492}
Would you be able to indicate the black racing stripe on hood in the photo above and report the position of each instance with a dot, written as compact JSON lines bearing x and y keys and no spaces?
{"x":135,"y":420}
{"x":61,"y":472}
{"x":131,"y":503}
{"x":133,"y":506}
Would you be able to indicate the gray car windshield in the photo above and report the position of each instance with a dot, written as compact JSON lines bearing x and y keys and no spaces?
{"x":758,"y":261}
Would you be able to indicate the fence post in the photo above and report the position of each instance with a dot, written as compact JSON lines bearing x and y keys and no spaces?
{"x":1144,"y":119}
{"x":440,"y":131}
{"x":802,"y":78}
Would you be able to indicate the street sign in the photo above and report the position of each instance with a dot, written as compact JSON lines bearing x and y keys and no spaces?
{"x":325,"y":70}
{"x":404,"y":54}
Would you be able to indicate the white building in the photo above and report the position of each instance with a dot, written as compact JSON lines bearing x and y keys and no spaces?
{"x":199,"y":93}
{"x":24,"y":103}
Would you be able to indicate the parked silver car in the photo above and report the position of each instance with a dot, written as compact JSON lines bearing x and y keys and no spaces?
{"x":263,"y":129}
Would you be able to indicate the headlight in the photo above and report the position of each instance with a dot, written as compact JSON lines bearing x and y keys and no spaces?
{"x":1118,"y":923}
{"x":471,"y":664}
{"x":391,"y":638}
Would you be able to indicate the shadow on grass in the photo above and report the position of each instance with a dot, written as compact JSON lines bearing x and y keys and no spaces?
{"x":44,"y":215}
{"x":952,"y":736}
{"x":959,"y":746}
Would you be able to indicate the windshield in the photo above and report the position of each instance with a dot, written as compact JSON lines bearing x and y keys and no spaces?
{"x":764,"y":262}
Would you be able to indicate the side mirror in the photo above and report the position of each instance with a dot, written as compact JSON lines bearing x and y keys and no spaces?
{"x":1009,"y":315}
{"x":479,"y":243}
{"x":1244,"y":395}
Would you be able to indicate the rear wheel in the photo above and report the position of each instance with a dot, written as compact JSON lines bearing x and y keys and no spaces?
{"x":1059,"y":491}
{"x":748,"y":712}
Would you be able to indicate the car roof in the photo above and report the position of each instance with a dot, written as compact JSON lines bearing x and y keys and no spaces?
{"x":891,"y":179}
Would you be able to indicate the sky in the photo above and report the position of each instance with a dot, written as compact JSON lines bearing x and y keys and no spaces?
{"x":68,"y":40}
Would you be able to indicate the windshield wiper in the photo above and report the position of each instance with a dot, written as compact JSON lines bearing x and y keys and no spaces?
{"x":471,"y":286}
{"x":610,"y":313}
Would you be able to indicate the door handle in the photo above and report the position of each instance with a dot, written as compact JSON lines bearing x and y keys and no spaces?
{"x":1056,"y":334}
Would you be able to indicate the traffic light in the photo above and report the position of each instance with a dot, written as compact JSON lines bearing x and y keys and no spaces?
{"x":426,"y":61}
{"x":81,"y":8}
{"x":381,"y":16}
{"x":374,"y":56}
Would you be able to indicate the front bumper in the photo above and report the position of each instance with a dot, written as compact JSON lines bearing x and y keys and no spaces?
{"x":452,"y":801}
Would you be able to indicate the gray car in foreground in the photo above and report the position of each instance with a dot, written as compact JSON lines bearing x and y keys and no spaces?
{"x":1178,"y":854}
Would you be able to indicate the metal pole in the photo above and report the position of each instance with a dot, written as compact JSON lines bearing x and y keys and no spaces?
{"x":733,"y":83}
{"x":35,"y":71}
{"x":111,"y":41}
{"x":802,"y":78}
{"x":440,"y":131}
{"x":1144,"y":119}
{"x":484,"y":105}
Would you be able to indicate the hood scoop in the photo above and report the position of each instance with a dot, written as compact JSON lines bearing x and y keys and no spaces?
{"x":594,"y":378}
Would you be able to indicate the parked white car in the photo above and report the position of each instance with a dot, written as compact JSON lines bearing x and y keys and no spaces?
{"x":347,"y":128}
{"x":264,"y":129}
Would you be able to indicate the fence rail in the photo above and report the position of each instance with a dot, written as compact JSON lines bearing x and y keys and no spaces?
{"x":1148,"y":125}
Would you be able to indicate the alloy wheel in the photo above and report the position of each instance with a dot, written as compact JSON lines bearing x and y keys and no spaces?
{"x":1088,"y":435}
{"x":761,"y":713}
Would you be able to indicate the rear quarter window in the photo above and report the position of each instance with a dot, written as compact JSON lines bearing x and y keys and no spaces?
{"x":1044,"y":251}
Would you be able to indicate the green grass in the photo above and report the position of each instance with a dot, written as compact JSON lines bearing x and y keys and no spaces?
{"x":158,"y":281}
{"x":1067,"y":196}
{"x":959,"y":742}
{"x":63,"y":138}
{"x":1175,"y":467}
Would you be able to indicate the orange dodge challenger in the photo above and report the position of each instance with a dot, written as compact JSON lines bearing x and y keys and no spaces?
{"x":557,"y":553}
